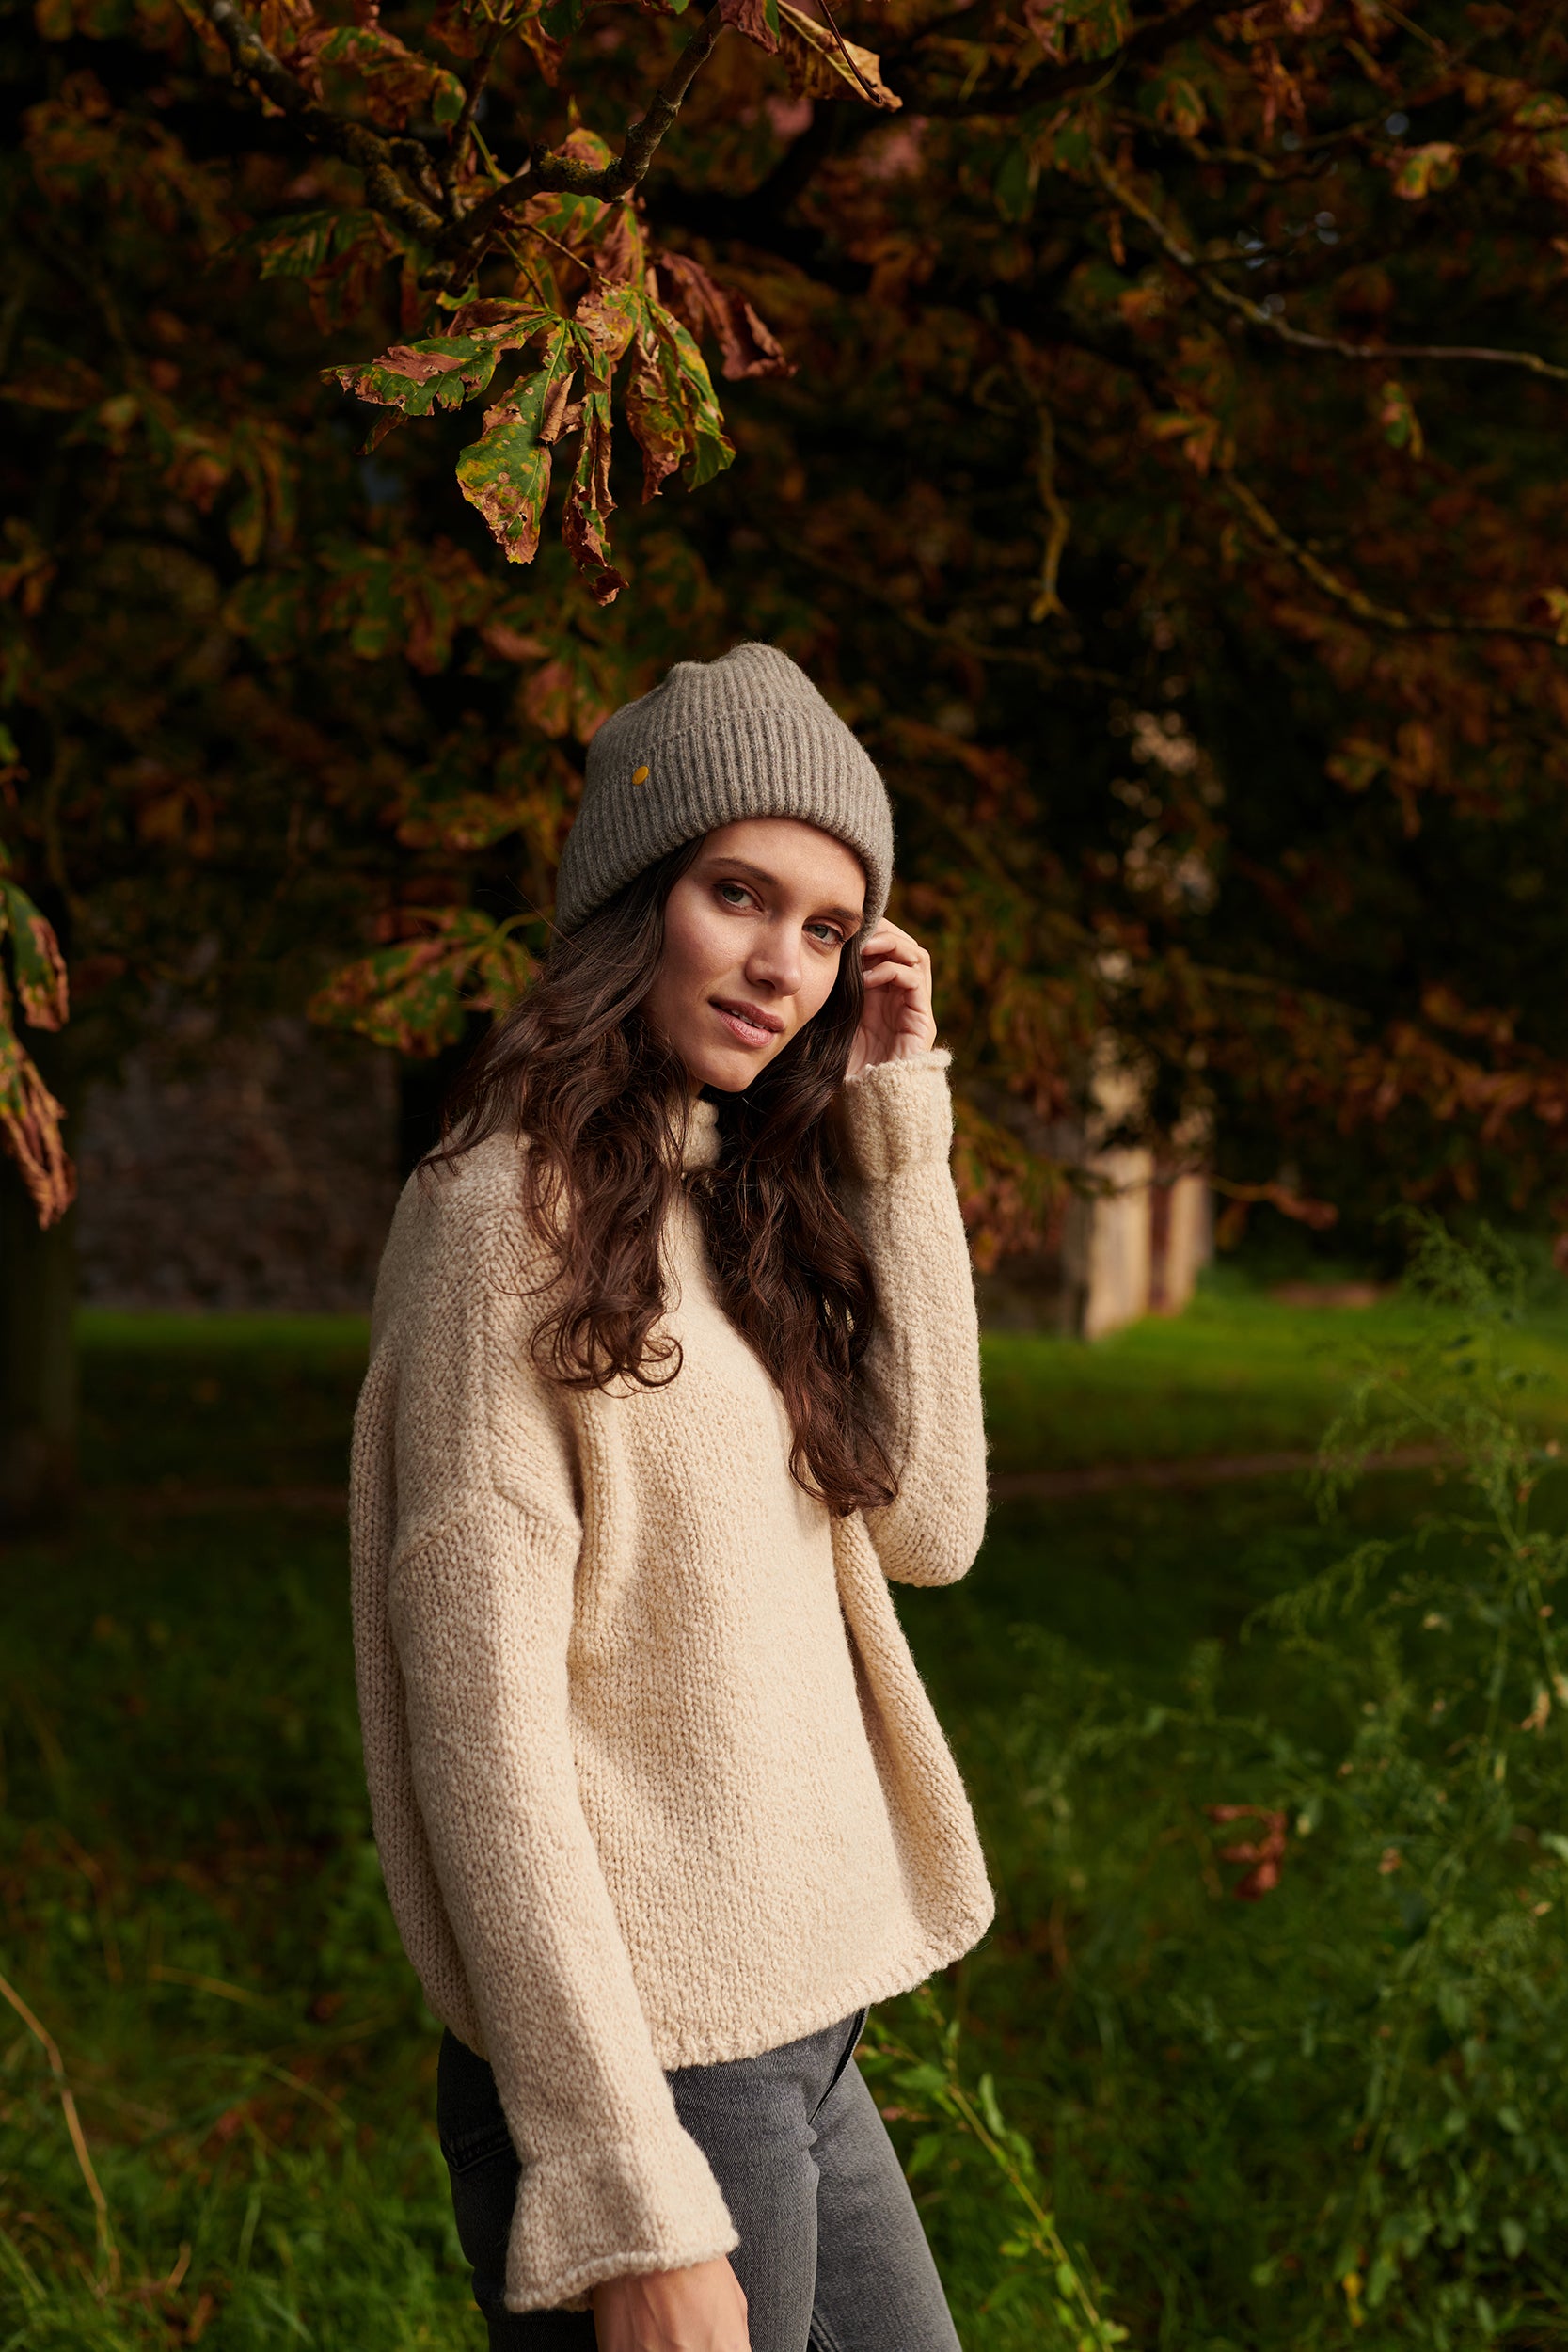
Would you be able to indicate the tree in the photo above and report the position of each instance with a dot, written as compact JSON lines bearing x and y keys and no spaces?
{"x":1145,"y":428}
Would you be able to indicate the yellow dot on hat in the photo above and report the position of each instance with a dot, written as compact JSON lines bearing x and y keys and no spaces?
{"x":639,"y":775}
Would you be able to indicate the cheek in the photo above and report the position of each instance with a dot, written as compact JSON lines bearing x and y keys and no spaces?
{"x":699,"y":948}
{"x":817,"y":987}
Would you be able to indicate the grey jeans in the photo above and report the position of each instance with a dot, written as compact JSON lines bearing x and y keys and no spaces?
{"x":832,"y":2256}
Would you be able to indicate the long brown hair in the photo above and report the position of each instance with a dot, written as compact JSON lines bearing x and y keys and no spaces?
{"x":576,"y":1068}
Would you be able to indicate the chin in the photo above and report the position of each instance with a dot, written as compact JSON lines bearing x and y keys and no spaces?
{"x":727,"y":1073}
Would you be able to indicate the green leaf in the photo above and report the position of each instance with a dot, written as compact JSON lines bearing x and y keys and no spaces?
{"x":39,"y":967}
{"x":928,"y":2150}
{"x":560,"y":19}
{"x":445,"y":370}
{"x":415,"y":996}
{"x":506,"y":473}
{"x":1016,"y":176}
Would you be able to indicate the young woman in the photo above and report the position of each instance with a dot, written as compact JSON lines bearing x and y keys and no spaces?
{"x":674,"y":1365}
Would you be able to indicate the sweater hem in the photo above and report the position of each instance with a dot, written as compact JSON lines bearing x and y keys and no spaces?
{"x":898,"y":1973}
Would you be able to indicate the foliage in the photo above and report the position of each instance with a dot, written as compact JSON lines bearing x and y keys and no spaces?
{"x":1144,"y":427}
{"x":1059,"y":2302}
{"x":29,"y":1115}
{"x":1339,"y":2105}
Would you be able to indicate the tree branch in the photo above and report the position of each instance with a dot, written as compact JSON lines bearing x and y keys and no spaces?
{"x":376,"y":157}
{"x":1340,"y":592}
{"x":1146,"y":43}
{"x":547,"y":173}
{"x":452,"y":163}
{"x":1241,"y":306}
{"x":457,"y":241}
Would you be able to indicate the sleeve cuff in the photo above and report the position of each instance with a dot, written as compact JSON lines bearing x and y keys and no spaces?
{"x":898,"y":1115}
{"x":611,"y":2213}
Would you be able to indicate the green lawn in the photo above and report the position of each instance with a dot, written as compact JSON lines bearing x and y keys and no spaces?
{"x":191,"y":1909}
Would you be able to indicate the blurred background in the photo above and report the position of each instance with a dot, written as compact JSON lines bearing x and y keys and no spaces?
{"x":1145,"y":425}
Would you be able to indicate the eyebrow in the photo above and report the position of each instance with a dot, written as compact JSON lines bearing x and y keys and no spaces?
{"x":851,"y":917}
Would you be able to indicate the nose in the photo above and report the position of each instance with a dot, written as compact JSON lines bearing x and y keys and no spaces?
{"x":774,"y":963}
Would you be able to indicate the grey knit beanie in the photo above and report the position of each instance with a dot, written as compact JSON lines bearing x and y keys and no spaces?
{"x":746,"y":735}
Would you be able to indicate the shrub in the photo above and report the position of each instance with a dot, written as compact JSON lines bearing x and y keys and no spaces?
{"x":1335,"y":2110}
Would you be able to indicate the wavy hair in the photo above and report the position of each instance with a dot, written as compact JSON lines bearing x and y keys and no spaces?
{"x":576,"y":1068}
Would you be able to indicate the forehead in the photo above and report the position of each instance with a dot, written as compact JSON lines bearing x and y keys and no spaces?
{"x":798,"y":855}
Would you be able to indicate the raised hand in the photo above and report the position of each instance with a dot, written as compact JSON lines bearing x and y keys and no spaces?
{"x":897,"y":1019}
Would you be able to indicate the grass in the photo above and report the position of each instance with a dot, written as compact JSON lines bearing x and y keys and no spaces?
{"x":191,"y":1909}
{"x":1236,"y":1374}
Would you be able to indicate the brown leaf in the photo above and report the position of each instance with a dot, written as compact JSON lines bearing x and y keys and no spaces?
{"x":747,"y":346}
{"x":589,"y":505}
{"x":30,"y":1130}
{"x":751,"y":18}
{"x":822,"y":65}
{"x":510,"y":645}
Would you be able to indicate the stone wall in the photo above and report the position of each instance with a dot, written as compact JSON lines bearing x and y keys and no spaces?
{"x":239,"y":1172}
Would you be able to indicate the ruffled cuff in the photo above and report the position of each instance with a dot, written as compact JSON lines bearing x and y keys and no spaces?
{"x":898,"y":1115}
{"x":612,"y":2212}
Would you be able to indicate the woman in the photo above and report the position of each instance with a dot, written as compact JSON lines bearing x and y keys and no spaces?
{"x":674,"y":1365}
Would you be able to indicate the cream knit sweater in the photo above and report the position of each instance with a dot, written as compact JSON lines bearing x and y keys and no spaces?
{"x":655,"y":1781}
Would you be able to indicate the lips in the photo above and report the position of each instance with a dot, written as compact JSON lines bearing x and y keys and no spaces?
{"x":748,"y":1023}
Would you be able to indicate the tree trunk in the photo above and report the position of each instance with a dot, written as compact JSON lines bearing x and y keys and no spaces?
{"x":38,"y":1354}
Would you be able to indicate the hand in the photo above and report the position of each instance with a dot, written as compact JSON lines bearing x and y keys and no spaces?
{"x":699,"y":2309}
{"x":897,"y":1019}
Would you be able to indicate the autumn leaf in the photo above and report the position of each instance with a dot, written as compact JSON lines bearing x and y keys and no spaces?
{"x":30,"y":1119}
{"x":337,"y":256}
{"x":1546,"y":111}
{"x":1048,"y":21}
{"x":1553,"y":606}
{"x":399,"y":85}
{"x":757,"y":19}
{"x":415,"y":996}
{"x":1198,"y":435}
{"x":1423,"y":170}
{"x":821,"y":66}
{"x":1396,"y":414}
{"x":39,"y":965}
{"x":445,"y":370}
{"x":29,"y":1115}
{"x":748,"y":348}
{"x":506,"y":473}
{"x":455,"y":803}
{"x":585,"y":523}
{"x":1100,"y":26}
{"x":671,"y":379}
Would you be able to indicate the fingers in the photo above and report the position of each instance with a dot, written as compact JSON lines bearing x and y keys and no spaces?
{"x":888,"y":942}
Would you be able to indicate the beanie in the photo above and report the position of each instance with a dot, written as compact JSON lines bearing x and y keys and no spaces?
{"x":744,"y":735}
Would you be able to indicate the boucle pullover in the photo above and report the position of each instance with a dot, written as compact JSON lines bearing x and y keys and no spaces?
{"x":655,"y":1781}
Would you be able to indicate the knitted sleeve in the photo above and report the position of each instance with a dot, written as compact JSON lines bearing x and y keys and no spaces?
{"x":923,"y":1369}
{"x":480,"y":1611}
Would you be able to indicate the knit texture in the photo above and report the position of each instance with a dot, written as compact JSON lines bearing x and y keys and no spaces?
{"x":746,"y":735}
{"x":655,"y":1781}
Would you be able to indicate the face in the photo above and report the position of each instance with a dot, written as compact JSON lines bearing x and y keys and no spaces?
{"x":754,"y":931}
